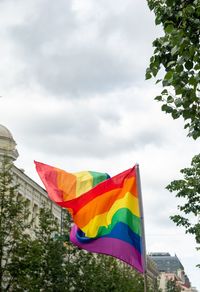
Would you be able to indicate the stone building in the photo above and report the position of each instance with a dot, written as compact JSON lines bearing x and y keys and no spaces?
{"x":35,"y":195}
{"x":166,"y":263}
{"x":170,"y":268}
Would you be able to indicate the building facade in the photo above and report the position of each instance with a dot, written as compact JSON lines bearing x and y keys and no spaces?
{"x":171,"y":269}
{"x":35,"y":195}
{"x":166,"y":263}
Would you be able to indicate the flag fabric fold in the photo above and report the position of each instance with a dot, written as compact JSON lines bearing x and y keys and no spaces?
{"x":106,"y":211}
{"x":110,"y":245}
{"x":63,"y":186}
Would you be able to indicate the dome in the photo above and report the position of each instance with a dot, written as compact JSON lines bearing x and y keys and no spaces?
{"x":5,"y":133}
{"x":7,"y":144}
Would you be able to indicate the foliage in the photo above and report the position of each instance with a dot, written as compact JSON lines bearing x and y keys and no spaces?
{"x":176,"y":58}
{"x":103,"y":273}
{"x":188,"y":189}
{"x":30,"y":259}
{"x":14,"y":223}
{"x":178,"y":53}
{"x":172,"y":287}
{"x":46,"y":257}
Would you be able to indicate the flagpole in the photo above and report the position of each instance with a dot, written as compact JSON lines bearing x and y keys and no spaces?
{"x":144,"y":258}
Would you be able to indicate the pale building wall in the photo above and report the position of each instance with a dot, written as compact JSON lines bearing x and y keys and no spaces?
{"x":165,"y":277}
{"x":35,"y":195}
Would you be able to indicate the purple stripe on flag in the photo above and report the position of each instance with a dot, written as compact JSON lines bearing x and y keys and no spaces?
{"x":111,"y":246}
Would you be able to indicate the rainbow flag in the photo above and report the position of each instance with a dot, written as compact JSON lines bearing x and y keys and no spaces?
{"x":64,"y":186}
{"x":107,"y":216}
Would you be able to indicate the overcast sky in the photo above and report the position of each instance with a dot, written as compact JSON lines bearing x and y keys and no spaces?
{"x":74,"y":96}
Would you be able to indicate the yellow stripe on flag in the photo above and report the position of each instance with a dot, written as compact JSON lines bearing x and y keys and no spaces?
{"x":84,"y":182}
{"x":128,"y":201}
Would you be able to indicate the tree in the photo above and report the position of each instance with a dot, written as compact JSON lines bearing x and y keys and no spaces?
{"x":178,"y":53}
{"x":14,"y":223}
{"x":46,"y":258}
{"x":188,"y":189}
{"x":30,"y":257}
{"x":176,"y":58}
{"x":172,"y":287}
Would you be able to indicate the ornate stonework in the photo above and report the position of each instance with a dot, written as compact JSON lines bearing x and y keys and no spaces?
{"x":7,"y":144}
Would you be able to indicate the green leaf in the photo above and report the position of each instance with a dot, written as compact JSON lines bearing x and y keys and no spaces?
{"x":166,"y":108}
{"x":178,"y":102}
{"x":169,"y":28}
{"x":170,"y":2}
{"x":158,"y":20}
{"x":157,"y":81}
{"x":148,"y":76}
{"x":170,"y":99}
{"x":192,"y":51}
{"x":179,"y":68}
{"x":193,"y":81}
{"x":186,"y":126}
{"x":158,"y":98}
{"x":176,"y":114}
{"x":169,"y":75}
{"x":165,"y":83}
{"x":178,"y":90}
{"x":164,"y":92}
{"x":197,"y":67}
{"x":154,"y":71}
{"x":190,"y":9}
{"x":195,"y":134}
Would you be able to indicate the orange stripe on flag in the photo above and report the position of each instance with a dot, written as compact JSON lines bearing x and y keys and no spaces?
{"x":103,"y":203}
